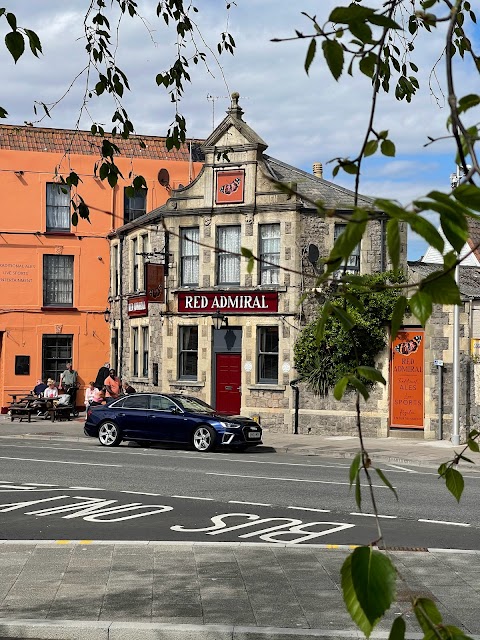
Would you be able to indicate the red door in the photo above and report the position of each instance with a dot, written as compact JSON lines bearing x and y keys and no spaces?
{"x":229,"y":375}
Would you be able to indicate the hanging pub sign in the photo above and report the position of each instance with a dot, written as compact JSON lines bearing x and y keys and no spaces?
{"x":407,"y":380}
{"x":241,"y":302}
{"x":155,"y":282}
{"x":137,"y":306}
{"x":230,"y":186}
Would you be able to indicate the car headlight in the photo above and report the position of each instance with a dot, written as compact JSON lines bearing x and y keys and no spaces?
{"x":230,"y":425}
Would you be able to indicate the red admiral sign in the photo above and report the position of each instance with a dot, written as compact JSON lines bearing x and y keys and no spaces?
{"x":212,"y":301}
{"x":137,"y":306}
{"x":230,"y":186}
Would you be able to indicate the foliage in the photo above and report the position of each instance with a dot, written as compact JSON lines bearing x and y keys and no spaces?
{"x":322,"y":362}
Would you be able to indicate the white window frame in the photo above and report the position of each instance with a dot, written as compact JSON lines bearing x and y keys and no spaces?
{"x":228,"y":260}
{"x":184,"y":352}
{"x":268,"y":272}
{"x":352,"y":264}
{"x":57,"y":207}
{"x":189,"y":256}
{"x":55,"y":286}
{"x":263,"y":354}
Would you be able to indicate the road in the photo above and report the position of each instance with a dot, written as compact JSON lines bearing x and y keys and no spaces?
{"x":80,"y":490}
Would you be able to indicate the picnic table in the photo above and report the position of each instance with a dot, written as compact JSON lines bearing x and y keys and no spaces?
{"x":21,"y":411}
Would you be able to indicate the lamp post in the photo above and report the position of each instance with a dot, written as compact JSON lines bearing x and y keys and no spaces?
{"x":219,"y":320}
{"x":106,"y":315}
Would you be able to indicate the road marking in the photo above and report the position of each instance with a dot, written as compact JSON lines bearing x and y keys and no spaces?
{"x":310,"y":509}
{"x":193,"y":498}
{"x":371,"y":515}
{"x":455,"y":524}
{"x":234,"y":475}
{"x":40,"y":484}
{"x":88,"y":488}
{"x":254,"y":504}
{"x":396,"y":466}
{"x":141,"y":493}
{"x":89,"y":464}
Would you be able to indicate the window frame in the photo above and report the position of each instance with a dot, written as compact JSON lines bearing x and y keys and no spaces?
{"x":63,"y":342}
{"x":222,"y":256}
{"x":352,"y":269}
{"x":135,"y":351}
{"x":49,"y":269}
{"x":264,"y":269}
{"x":194,"y":257}
{"x":135,"y":265}
{"x":185,"y":352}
{"x":131,"y":213}
{"x":66,"y":209}
{"x":114,"y":267}
{"x":262,"y":354}
{"x":145,"y":350}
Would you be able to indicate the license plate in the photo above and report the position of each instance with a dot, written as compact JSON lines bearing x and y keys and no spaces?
{"x":253,"y":435}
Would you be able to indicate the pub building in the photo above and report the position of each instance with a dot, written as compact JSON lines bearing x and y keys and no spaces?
{"x":188,"y":314}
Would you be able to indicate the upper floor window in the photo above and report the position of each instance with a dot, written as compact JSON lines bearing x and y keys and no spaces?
{"x":228,"y":242}
{"x":189,"y":256}
{"x":114,"y":270}
{"x":135,"y":206}
{"x":135,"y":265}
{"x":352,"y":263}
{"x":58,"y":207}
{"x":188,"y":353}
{"x":268,"y":355}
{"x":269,"y":236}
{"x":134,"y":352}
{"x":57,"y":281}
{"x":145,"y":351}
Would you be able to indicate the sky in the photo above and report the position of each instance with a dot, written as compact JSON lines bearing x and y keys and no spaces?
{"x":303,"y":118}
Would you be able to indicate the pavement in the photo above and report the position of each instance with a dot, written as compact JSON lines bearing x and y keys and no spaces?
{"x":232,"y":591}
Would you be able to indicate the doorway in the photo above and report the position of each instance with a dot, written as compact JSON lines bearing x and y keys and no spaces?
{"x":228,"y":380}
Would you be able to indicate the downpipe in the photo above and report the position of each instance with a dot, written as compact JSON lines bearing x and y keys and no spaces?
{"x":296,"y":402}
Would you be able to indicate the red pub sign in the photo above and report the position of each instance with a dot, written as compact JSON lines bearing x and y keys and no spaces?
{"x":241,"y":302}
{"x":137,"y":306}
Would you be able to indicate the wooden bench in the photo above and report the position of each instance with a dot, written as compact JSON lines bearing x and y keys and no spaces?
{"x":60,"y":412}
{"x":21,"y":411}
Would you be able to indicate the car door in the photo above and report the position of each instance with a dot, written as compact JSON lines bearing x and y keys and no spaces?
{"x":131,"y":415}
{"x":164,"y":424}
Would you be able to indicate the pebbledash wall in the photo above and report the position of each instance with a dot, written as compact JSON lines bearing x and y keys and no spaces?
{"x":163,"y":333}
{"x":54,"y":277}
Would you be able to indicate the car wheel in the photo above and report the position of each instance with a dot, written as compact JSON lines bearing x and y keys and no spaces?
{"x":109,"y":434}
{"x":204,"y":438}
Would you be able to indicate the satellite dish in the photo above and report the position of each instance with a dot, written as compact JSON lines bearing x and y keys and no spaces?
{"x":164,"y":177}
{"x":313,"y":254}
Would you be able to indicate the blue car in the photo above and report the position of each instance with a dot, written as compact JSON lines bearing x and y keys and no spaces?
{"x":175,"y":418}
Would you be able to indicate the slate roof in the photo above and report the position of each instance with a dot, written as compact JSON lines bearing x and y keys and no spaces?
{"x":315,"y":188}
{"x":474,"y":239}
{"x":26,"y":138}
{"x":469,"y":277}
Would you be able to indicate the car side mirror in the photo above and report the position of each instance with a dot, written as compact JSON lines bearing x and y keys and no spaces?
{"x":173,"y":409}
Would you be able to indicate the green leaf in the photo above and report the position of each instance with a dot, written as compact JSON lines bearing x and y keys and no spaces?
{"x":387,"y":148}
{"x":250,"y":265}
{"x":344,"y":317}
{"x":393,"y":242}
{"x":454,"y":482}
{"x":358,"y":492}
{"x":246,"y":253}
{"x":442,"y":288}
{"x":368,"y":585}
{"x":468,"y":195}
{"x":333,"y":54}
{"x":74,"y":218}
{"x":3,"y":113}
{"x":340,"y":387}
{"x":427,"y":614}
{"x":312,"y":49}
{"x":355,"y":468}
{"x":397,"y":632}
{"x":397,"y":316}
{"x":421,"y":306}
{"x":370,"y":148}
{"x":326,"y":312}
{"x":34,"y":41}
{"x":367,"y":64}
{"x":468,"y":102}
{"x":359,"y":386}
{"x":455,"y":231}
{"x":15,"y":44}
{"x":386,"y":481}
{"x":370,"y":373}
{"x":427,"y":231}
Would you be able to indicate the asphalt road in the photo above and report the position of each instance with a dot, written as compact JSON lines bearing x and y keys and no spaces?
{"x":80,"y":490}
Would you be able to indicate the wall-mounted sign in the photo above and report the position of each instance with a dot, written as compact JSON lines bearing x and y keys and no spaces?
{"x":230,"y":186}
{"x":155,"y":282}
{"x":407,"y":380}
{"x":475,"y":347}
{"x":244,"y":302}
{"x":137,"y":306}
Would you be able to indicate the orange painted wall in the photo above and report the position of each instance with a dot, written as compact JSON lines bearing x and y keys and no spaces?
{"x":24,"y":241}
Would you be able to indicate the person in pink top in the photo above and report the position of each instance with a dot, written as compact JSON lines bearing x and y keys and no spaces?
{"x":113,"y":385}
{"x":89,"y":394}
{"x":51,"y":391}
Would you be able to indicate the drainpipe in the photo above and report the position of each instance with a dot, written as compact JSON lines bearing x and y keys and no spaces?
{"x":382,"y":244}
{"x":120,"y":321}
{"x":296,"y":391}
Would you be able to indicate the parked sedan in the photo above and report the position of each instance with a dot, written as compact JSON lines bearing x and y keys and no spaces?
{"x":157,"y":417}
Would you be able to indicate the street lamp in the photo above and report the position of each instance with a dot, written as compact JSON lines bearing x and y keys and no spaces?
{"x":106,"y":315}
{"x":219,"y":320}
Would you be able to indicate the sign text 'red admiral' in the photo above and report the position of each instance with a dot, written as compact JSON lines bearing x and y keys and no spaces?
{"x":137,"y":306}
{"x":244,"y":302}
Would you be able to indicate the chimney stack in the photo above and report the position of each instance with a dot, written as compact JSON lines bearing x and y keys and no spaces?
{"x":318,"y":169}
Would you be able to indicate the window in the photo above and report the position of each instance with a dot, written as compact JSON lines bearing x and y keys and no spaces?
{"x":229,"y":256}
{"x":189,"y":256}
{"x":114,"y":348}
{"x":352,"y":264}
{"x":56,"y":352}
{"x":135,"y":264}
{"x":135,"y":352}
{"x":143,"y":251}
{"x":135,"y":402}
{"x":58,"y":207}
{"x":136,"y":206}
{"x":57,"y":281}
{"x":114,"y":270}
{"x":161,"y":403}
{"x":188,"y":349}
{"x":268,"y":355}
{"x":269,"y":235}
{"x":146,"y":348}
{"x":22,"y":365}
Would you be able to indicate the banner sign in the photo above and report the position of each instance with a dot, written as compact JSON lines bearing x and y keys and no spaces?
{"x":407,"y":383}
{"x":244,"y":302}
{"x":155,"y":282}
{"x":137,"y":306}
{"x":230,"y":186}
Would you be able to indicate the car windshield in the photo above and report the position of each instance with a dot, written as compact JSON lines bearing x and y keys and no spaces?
{"x":192,"y":404}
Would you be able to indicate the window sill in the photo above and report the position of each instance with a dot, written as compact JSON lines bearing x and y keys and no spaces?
{"x":186,"y":383}
{"x":266,"y":387}
{"x":68,"y":234}
{"x":58,"y":308}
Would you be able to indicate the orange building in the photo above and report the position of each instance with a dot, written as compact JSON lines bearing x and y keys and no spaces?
{"x":55,"y":277}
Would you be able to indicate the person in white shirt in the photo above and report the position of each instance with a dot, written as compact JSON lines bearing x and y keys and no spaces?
{"x":89,"y":394}
{"x":51,"y":391}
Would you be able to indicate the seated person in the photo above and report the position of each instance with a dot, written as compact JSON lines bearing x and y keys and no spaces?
{"x":127,"y":388}
{"x":89,"y":393}
{"x":39,"y":388}
{"x":98,"y":397}
{"x":45,"y":401}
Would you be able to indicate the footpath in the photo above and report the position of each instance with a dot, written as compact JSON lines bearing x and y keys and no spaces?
{"x":232,"y":591}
